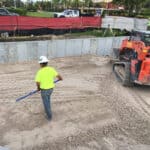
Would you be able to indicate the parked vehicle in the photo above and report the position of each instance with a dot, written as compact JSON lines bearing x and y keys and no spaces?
{"x":5,"y":12}
{"x":72,"y":13}
{"x":67,"y":13}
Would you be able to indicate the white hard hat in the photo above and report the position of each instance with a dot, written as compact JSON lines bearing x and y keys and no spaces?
{"x":43,"y":59}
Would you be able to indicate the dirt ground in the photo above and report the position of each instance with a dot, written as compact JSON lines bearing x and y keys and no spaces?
{"x":91,"y":109}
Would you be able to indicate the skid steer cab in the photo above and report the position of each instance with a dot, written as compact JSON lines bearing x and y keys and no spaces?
{"x":133,"y":59}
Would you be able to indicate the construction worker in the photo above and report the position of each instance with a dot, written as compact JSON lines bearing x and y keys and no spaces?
{"x":45,"y":83}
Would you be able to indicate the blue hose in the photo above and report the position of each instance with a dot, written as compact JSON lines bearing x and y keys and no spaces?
{"x":29,"y":94}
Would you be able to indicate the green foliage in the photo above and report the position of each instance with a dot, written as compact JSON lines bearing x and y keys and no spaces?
{"x":41,"y":5}
{"x":75,"y":3}
{"x":101,"y":33}
{"x":133,"y":6}
{"x":96,"y":33}
{"x":145,"y":12}
{"x":14,"y":3}
{"x":114,"y":13}
{"x":55,"y":4}
{"x":19,"y":3}
{"x":8,"y":3}
{"x":40,"y":14}
{"x":20,"y":11}
{"x":117,"y":12}
{"x":31,"y":7}
{"x":147,"y":4}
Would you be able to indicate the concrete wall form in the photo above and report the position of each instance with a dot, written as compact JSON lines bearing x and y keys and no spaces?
{"x":127,"y":23}
{"x":12,"y":52}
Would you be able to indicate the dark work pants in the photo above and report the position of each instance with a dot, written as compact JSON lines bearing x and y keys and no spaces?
{"x":46,"y":98}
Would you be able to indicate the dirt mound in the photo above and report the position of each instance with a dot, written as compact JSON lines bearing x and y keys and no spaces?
{"x":91,"y":110}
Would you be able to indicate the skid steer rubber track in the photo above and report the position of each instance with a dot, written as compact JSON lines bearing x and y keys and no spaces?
{"x":122,"y":72}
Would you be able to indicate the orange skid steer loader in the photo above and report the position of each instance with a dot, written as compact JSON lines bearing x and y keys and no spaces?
{"x":132,"y":63}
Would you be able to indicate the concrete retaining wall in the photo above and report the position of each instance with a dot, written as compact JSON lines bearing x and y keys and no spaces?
{"x":11,"y":52}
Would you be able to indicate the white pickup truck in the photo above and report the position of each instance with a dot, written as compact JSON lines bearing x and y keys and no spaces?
{"x":67,"y":13}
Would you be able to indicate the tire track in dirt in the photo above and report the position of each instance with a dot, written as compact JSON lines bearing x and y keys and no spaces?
{"x":91,"y":110}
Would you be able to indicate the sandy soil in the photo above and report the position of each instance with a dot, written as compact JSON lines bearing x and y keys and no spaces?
{"x":91,"y":109}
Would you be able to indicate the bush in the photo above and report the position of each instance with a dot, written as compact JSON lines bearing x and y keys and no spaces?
{"x":146,"y":13}
{"x":115,"y":13}
{"x":20,"y":11}
{"x":32,"y":8}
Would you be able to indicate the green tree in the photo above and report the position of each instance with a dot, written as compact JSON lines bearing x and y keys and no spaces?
{"x":19,"y":3}
{"x":133,"y":6}
{"x":88,"y":3}
{"x":31,"y":6}
{"x":8,"y":3}
{"x":75,"y":3}
{"x":147,"y":4}
{"x":55,"y":4}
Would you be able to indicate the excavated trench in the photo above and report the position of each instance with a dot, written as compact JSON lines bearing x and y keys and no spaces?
{"x":91,"y":109}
